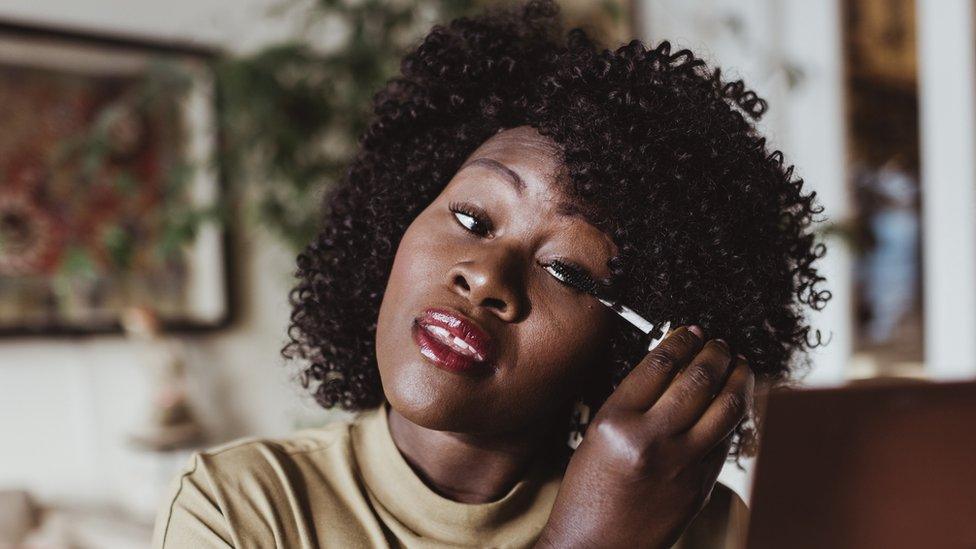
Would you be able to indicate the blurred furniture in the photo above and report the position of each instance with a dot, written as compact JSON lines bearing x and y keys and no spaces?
{"x":26,"y":522}
{"x":884,"y":463}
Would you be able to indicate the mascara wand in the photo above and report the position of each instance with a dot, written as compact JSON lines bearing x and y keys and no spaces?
{"x":585,"y":283}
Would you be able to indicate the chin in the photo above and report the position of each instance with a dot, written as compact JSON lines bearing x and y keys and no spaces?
{"x":427,"y":397}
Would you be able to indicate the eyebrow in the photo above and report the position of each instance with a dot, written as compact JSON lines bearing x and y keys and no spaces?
{"x":513,"y":178}
{"x":566,"y":209}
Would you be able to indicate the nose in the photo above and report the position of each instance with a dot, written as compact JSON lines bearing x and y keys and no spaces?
{"x":490,"y":281}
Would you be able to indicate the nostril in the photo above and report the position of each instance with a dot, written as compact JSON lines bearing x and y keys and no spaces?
{"x":459,"y":280}
{"x":497,"y":303}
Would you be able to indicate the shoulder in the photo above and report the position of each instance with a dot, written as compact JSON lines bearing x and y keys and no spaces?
{"x":250,"y":464}
{"x":228,"y":488}
{"x":249,"y":454}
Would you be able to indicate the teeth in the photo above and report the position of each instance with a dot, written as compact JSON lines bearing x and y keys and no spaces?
{"x":449,"y":339}
{"x":438,"y":331}
{"x":461,"y":343}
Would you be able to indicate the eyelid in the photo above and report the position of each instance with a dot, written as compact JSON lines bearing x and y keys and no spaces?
{"x":481,"y":216}
{"x":476,"y":212}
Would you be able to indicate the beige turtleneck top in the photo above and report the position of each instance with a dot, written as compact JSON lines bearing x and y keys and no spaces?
{"x":346,"y":485}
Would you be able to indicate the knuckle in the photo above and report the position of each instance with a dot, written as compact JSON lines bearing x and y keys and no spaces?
{"x":701,"y":375}
{"x":644,"y":457}
{"x":610,"y":429}
{"x":632,"y":449}
{"x":678,"y":343}
{"x":658,"y":362}
{"x":664,"y":420}
{"x":684,"y":339}
{"x":685,"y":392}
{"x":734,"y":404}
{"x":665,"y":352}
{"x":646,"y":453}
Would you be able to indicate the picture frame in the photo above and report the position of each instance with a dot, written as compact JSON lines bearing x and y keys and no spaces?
{"x":108,"y":200}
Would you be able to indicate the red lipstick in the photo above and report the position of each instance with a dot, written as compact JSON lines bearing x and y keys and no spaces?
{"x":452,"y":341}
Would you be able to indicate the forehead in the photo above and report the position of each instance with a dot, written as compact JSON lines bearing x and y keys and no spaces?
{"x":532,"y":164}
{"x":524,"y":149}
{"x":523,"y":154}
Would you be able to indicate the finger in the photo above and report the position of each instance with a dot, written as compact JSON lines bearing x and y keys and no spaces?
{"x":727,"y":410}
{"x":692,"y":391}
{"x":713,"y":463}
{"x":715,"y":459}
{"x":648,"y":380}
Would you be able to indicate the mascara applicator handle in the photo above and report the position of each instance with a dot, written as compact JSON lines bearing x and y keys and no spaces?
{"x":663,"y":331}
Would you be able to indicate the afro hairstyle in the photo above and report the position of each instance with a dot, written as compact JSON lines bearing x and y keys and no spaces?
{"x":712,"y":228}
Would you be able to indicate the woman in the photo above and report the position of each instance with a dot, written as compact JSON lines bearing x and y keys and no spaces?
{"x":429,"y":304}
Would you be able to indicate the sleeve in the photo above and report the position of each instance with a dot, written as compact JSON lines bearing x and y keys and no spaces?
{"x":190,"y":515}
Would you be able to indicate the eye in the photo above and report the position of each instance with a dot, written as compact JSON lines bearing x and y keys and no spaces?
{"x":470,"y":217}
{"x":571,"y":275}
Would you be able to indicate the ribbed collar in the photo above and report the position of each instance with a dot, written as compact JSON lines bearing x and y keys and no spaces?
{"x":420,"y":516}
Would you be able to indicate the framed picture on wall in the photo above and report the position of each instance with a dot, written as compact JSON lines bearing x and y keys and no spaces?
{"x":110,"y":197}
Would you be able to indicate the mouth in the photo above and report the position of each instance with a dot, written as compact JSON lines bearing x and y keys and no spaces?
{"x":451,"y":341}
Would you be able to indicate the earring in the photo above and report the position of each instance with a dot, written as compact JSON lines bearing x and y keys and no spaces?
{"x":581,"y":416}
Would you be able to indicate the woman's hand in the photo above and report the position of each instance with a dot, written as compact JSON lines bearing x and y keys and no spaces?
{"x":650,"y":457}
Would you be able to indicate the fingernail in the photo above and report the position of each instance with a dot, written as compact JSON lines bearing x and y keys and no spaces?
{"x":695,"y":329}
{"x":723,"y":342}
{"x":741,"y":356}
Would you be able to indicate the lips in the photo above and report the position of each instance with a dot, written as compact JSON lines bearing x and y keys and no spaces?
{"x":451,"y":340}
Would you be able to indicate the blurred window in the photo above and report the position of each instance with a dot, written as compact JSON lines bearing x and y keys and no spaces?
{"x":882,"y":99}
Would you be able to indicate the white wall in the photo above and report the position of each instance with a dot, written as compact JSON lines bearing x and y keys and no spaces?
{"x":67,"y":406}
{"x":947,"y":105}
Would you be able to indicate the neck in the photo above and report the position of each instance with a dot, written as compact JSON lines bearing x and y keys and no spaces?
{"x":464,"y":467}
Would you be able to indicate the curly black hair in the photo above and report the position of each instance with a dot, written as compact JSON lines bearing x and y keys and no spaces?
{"x":712,"y":228}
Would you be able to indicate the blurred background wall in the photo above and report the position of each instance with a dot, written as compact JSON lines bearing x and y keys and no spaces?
{"x":872,"y":101}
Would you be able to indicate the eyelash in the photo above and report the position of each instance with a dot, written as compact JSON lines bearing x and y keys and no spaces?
{"x":473,"y":212}
{"x":481,"y":217}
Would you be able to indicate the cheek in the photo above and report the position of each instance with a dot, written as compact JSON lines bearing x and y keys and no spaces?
{"x":406,"y":263}
{"x":414,"y":275}
{"x":555,"y":355}
{"x":575,"y":326}
{"x":410,"y":264}
{"x":415,"y":260}
{"x":553,"y":363}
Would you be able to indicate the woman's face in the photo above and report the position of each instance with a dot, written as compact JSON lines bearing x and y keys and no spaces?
{"x":543,"y":333}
